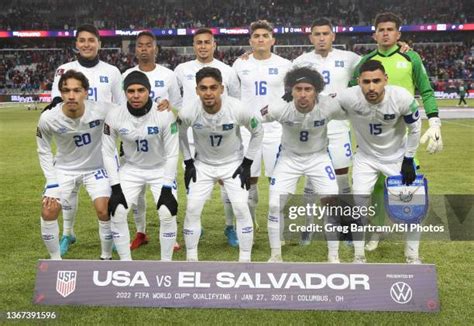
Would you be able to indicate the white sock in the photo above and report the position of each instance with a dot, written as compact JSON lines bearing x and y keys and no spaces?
{"x":50,"y":235}
{"x":273,"y":224}
{"x":69,"y":214}
{"x":228,"y":212}
{"x":244,"y":231}
{"x":343,"y":183}
{"x":106,"y":240}
{"x":139,"y":212}
{"x":333,"y":248}
{"x":412,"y":245}
{"x":359,"y":249}
{"x":121,"y":233}
{"x":253,"y":200}
{"x":168,"y":229}
{"x":192,"y":228}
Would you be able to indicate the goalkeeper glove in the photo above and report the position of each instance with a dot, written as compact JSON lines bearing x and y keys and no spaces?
{"x":433,"y":136}
{"x":116,"y":199}
{"x":189,"y":172}
{"x":408,"y":171}
{"x":167,"y":199}
{"x":243,"y":171}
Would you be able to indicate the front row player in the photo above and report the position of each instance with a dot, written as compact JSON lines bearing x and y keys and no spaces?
{"x":303,"y":148}
{"x":215,"y":121}
{"x":150,"y":143}
{"x":76,"y":126}
{"x":380,"y":116}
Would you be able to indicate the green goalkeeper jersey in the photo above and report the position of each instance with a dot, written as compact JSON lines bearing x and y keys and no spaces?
{"x":405,"y":70}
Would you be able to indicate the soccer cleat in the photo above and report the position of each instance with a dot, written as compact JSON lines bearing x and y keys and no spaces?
{"x":191,"y":260}
{"x":275,"y":259}
{"x":413,"y":260}
{"x":372,"y":245}
{"x":65,"y":242}
{"x":333,"y":260}
{"x":109,"y":258}
{"x":232,"y":240}
{"x":140,"y":240}
{"x":176,"y":247}
{"x":359,"y":260}
{"x":349,"y":243}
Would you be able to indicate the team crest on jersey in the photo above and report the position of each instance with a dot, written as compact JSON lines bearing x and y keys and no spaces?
{"x":103,"y":79}
{"x":228,"y":126}
{"x":264,"y":111}
{"x":245,"y":72}
{"x":319,"y":123}
{"x":62,"y":130}
{"x":106,"y":129}
{"x":123,"y":131}
{"x":153,"y":130}
{"x":273,"y":71}
{"x":60,"y":72}
{"x":339,"y":64}
{"x":159,"y":83}
{"x":198,"y":126}
{"x":289,"y":123}
{"x":94,"y":123}
{"x":189,"y":77}
{"x":38,"y":133}
{"x":402,"y":64}
{"x":389,"y":116}
{"x":66,"y":282}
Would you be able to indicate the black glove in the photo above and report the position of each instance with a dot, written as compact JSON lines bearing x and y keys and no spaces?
{"x":167,"y":199}
{"x":116,"y":199}
{"x":54,"y":102}
{"x":244,"y":173}
{"x":408,"y":171}
{"x":189,"y":172}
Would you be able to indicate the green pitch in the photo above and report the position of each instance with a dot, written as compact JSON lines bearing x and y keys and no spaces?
{"x":22,"y":182}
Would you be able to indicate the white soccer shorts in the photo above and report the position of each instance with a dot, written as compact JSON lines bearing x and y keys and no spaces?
{"x":340,"y":149}
{"x":96,"y":183}
{"x":206,"y":177}
{"x":366,"y":170}
{"x":268,"y":151}
{"x":133,"y":179}
{"x":317,"y":167}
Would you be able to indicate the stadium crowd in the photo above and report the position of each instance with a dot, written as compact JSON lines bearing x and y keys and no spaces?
{"x":123,"y":14}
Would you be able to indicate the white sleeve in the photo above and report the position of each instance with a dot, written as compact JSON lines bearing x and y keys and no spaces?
{"x":336,"y":111}
{"x":109,"y":137}
{"x":55,"y":88}
{"x":118,"y":95}
{"x":254,"y":125}
{"x":44,"y":137}
{"x":183,"y":125}
{"x":234,"y":84}
{"x":171,"y":145}
{"x":175,"y":93}
{"x":273,"y":111}
{"x":235,"y":69}
{"x":177,"y":72}
{"x":413,"y":138}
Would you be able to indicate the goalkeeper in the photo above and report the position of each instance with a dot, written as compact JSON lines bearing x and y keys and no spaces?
{"x":405,"y":70}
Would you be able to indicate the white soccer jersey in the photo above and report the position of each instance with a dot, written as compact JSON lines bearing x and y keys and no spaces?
{"x":337,"y":70}
{"x":105,"y":81}
{"x":303,"y":133}
{"x":78,"y":141}
{"x":186,"y":75}
{"x":163,"y":84}
{"x":217,"y":136}
{"x":149,"y":141}
{"x":262,"y":81}
{"x":380,"y":129}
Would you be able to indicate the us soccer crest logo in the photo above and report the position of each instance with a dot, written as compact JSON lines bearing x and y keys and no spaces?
{"x":66,"y":282}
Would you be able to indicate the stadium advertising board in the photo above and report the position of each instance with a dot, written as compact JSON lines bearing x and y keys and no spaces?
{"x":284,"y":286}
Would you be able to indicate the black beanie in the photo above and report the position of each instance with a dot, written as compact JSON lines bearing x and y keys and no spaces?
{"x":136,"y":77}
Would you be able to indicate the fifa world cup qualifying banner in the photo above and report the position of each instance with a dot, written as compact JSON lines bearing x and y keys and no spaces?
{"x":286,"y":286}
